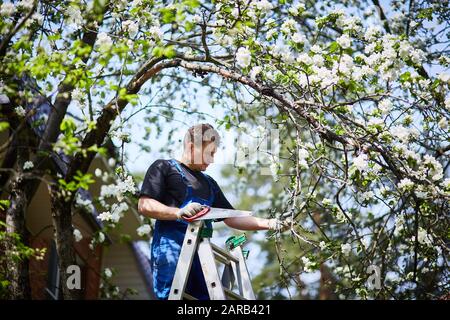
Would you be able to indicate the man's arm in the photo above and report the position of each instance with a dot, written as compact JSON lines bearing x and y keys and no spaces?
{"x":154,"y":209}
{"x":248,"y":223}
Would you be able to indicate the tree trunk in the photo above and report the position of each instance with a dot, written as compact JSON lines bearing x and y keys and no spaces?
{"x":62,"y":222}
{"x":17,"y":269}
{"x":15,"y":219}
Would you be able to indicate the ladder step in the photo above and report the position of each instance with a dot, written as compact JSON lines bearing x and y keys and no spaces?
{"x":232,"y":294}
{"x":221,"y":259}
{"x":188,"y":296}
{"x":224,"y":253}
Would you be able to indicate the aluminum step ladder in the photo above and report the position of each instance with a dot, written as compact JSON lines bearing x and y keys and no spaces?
{"x":219,"y":288}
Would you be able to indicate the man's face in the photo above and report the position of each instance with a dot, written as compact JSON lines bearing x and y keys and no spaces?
{"x":202,"y":157}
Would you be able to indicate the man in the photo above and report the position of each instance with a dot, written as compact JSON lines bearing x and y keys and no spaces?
{"x":176,"y":189}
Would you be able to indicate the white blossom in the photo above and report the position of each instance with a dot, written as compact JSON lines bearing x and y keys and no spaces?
{"x":436,"y":170}
{"x":197,"y":18}
{"x":28,"y":165}
{"x":361,"y":162}
{"x":74,"y":16}
{"x":143,"y":230}
{"x":305,"y":58}
{"x":307,"y":264}
{"x":156,"y":32}
{"x":108,"y":273}
{"x":111,"y":162}
{"x":446,"y":183}
{"x":443,"y":123}
{"x":243,"y":57}
{"x":37,"y":17}
{"x":298,"y":38}
{"x":235,"y":12}
{"x":77,"y":95}
{"x":366,"y":242}
{"x":27,"y":4}
{"x":117,"y":211}
{"x":254,"y":72}
{"x":323,"y":245}
{"x":7,"y":9}
{"x":105,"y":216}
{"x":288,"y":26}
{"x":295,"y":9}
{"x":374,"y":121}
{"x":84,"y":203}
{"x":98,"y":172}
{"x":130,"y":26}
{"x":405,"y":183}
{"x":101,"y":237}
{"x":417,"y":56}
{"x":316,"y":49}
{"x":385,"y":106}
{"x":402,"y":133}
{"x":270,"y":34}
{"x":104,"y":41}
{"x":424,"y":238}
{"x":344,"y":41}
{"x":372,"y":33}
{"x":20,"y":111}
{"x":77,"y":234}
{"x":367,"y":196}
{"x":349,"y":23}
{"x":264,"y":5}
{"x":346,"y":249}
{"x":303,"y":154}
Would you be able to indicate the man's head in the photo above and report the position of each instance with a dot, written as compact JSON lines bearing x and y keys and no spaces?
{"x":200,"y":145}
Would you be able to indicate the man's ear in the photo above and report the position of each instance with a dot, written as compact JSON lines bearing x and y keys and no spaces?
{"x":191,"y":152}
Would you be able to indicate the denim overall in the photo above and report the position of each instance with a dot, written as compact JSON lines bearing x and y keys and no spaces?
{"x":166,"y":246}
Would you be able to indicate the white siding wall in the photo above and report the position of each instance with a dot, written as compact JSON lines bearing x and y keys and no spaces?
{"x":121,"y":258}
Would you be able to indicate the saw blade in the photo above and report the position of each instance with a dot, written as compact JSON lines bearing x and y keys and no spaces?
{"x":218,"y":213}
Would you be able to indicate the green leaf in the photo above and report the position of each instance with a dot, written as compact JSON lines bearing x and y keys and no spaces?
{"x":4,"y":204}
{"x":192,"y":4}
{"x":84,"y":180}
{"x":334,"y":47}
{"x":168,"y":15}
{"x":158,"y":52}
{"x":68,"y":126}
{"x":4,"y":125}
{"x":169,"y":52}
{"x":188,"y":26}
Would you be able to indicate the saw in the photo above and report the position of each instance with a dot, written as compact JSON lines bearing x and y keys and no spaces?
{"x":209,"y":213}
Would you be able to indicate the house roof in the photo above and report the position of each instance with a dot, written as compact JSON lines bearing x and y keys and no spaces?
{"x":141,"y":251}
{"x":42,"y":107}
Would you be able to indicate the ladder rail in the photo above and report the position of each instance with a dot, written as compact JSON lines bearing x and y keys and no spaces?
{"x":184,"y":263}
{"x":209,"y":267}
{"x":243,"y":275}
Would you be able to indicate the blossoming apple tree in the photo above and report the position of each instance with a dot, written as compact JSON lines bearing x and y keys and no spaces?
{"x":358,"y":91}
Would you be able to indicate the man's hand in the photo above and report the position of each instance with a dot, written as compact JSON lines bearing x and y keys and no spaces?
{"x":190,"y":210}
{"x":280,"y":225}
